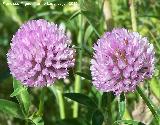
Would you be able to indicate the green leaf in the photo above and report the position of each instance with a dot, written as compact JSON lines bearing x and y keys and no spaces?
{"x":84,"y":75}
{"x":41,"y":103}
{"x":107,"y":99}
{"x":11,"y":11}
{"x":18,"y":91}
{"x":88,"y":33}
{"x":11,"y":108}
{"x":93,"y":26}
{"x":122,"y":105}
{"x":37,"y":120}
{"x":82,"y":99}
{"x":23,"y":97}
{"x":90,"y":9}
{"x":97,"y":118}
{"x":75,"y":14}
{"x":129,"y":122}
{"x":106,"y":105}
{"x":87,"y":50}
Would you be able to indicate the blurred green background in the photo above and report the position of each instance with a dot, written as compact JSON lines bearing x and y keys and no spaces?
{"x":97,"y":16}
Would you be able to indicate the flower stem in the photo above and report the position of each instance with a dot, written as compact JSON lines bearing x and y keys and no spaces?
{"x":77,"y":86}
{"x":139,"y":90}
{"x":109,"y":111}
{"x":133,"y":15}
{"x":107,"y":10}
{"x":26,"y":123}
{"x":61,"y":104}
{"x":148,"y":103}
{"x":41,"y":104}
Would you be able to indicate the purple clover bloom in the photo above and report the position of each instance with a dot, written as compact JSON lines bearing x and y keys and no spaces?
{"x":40,"y":54}
{"x":121,"y":60}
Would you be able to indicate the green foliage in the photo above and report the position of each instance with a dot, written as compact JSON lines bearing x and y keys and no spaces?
{"x":37,"y":120}
{"x":82,"y":99}
{"x":22,"y":96}
{"x":121,"y":105}
{"x":11,"y":108}
{"x":84,"y":75}
{"x":107,"y":99}
{"x":148,"y":103}
{"x":97,"y":118}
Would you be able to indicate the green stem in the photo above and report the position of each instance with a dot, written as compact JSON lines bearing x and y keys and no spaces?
{"x":41,"y":104}
{"x":26,"y":123}
{"x":139,"y":90}
{"x":77,"y":90}
{"x":61,"y":104}
{"x":148,"y":103}
{"x":109,"y":110}
{"x":108,"y":14}
{"x":133,"y":15}
{"x":77,"y":86}
{"x":127,"y":115}
{"x":107,"y":10}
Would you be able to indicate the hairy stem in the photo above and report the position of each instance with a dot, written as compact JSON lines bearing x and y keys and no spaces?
{"x":77,"y":86}
{"x":148,"y":103}
{"x":41,"y":104}
{"x":61,"y":104}
{"x":133,"y":15}
{"x":139,"y":90}
{"x":107,"y":10}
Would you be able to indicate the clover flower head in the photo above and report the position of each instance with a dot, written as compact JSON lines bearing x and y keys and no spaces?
{"x":40,"y":54}
{"x":121,"y":60}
